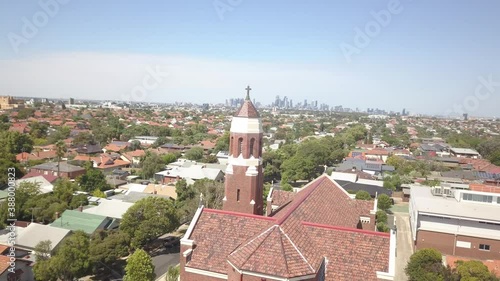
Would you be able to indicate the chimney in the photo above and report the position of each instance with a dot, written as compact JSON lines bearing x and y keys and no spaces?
{"x":57,"y":215}
{"x":80,"y":209}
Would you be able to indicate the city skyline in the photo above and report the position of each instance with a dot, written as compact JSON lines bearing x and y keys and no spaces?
{"x":201,"y":52}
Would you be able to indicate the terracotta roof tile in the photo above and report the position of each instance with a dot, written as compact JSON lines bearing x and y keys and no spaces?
{"x":218,"y":233}
{"x":320,"y":222}
{"x":247,"y":110}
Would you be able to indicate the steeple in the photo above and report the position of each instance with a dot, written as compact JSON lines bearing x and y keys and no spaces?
{"x":247,"y":110}
{"x":244,"y":177}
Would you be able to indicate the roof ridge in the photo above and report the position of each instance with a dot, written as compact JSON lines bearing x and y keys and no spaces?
{"x":341,"y":228}
{"x":264,"y":234}
{"x":296,"y":203}
{"x":239,"y":214}
{"x":296,"y":249}
{"x":283,"y":250}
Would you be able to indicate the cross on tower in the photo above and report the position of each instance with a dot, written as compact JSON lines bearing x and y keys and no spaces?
{"x":248,"y":92}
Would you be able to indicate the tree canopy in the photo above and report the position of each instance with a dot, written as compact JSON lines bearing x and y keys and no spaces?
{"x":384,"y":202}
{"x":363,"y":195}
{"x":140,"y":267}
{"x":149,"y":218}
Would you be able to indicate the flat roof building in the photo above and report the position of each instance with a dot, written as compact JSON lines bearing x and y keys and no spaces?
{"x":456,"y":222}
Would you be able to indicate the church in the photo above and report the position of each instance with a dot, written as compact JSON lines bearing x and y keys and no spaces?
{"x":318,"y":233}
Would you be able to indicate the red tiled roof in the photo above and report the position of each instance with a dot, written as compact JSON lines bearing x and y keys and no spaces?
{"x":49,"y":178}
{"x":320,"y":222}
{"x":484,"y":188}
{"x":493,"y":265}
{"x":4,"y":263}
{"x":218,"y":233}
{"x":281,"y":197}
{"x":3,"y":248}
{"x":247,"y":110}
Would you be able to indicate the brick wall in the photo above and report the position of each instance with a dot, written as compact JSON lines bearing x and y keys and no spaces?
{"x":446,"y":244}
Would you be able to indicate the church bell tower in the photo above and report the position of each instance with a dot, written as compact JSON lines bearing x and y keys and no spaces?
{"x":244,"y":177}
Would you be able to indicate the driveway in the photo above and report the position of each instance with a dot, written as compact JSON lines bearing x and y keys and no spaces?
{"x":404,"y":245}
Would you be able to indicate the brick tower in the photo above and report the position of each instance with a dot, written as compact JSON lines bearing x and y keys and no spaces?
{"x":244,"y":178}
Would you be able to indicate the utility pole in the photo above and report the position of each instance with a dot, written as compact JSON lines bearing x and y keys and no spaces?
{"x":32,"y":209}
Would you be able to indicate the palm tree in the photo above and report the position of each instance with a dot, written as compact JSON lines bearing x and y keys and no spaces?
{"x":61,"y":150}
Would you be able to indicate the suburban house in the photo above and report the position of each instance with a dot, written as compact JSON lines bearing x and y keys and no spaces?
{"x":45,"y":182}
{"x":464,"y":152}
{"x":109,"y":208}
{"x":27,"y":238}
{"x":351,"y":182}
{"x":133,"y":157}
{"x":23,"y":270}
{"x":89,"y":223}
{"x":372,"y":167}
{"x":190,"y":171}
{"x":456,"y":222}
{"x":116,"y":146}
{"x":144,"y":140}
{"x":50,"y":168}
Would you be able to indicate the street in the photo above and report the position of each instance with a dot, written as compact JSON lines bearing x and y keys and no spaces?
{"x":163,"y":261}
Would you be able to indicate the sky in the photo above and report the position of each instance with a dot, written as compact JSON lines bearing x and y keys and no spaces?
{"x":429,"y":57}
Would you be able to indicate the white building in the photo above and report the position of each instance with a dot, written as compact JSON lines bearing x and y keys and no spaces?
{"x":456,"y":222}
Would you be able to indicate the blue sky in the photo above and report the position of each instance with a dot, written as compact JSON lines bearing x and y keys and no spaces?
{"x":428,"y":57}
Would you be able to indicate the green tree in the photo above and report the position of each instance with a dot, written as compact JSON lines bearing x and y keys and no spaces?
{"x":222,"y":143}
{"x":173,"y":273}
{"x":382,"y":227}
{"x":10,"y":168}
{"x":60,"y":151}
{"x":151,"y":164}
{"x":78,"y":200}
{"x":134,"y":145}
{"x":92,"y":179}
{"x":43,"y":250}
{"x":183,"y":191}
{"x":84,"y":138}
{"x":106,"y":247}
{"x":195,"y":153}
{"x":426,"y":265}
{"x":149,"y":218}
{"x":170,"y":158}
{"x":74,"y":248}
{"x":140,"y":267}
{"x":98,"y":193}
{"x":363,"y":195}
{"x":381,"y":216}
{"x":473,"y":271}
{"x":64,"y":190}
{"x":384,"y":202}
{"x":12,"y":142}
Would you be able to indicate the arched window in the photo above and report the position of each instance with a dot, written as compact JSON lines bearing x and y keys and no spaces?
{"x":240,"y":146}
{"x":231,"y":145}
{"x":252,"y":142}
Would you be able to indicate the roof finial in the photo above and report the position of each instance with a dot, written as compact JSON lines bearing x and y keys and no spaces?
{"x":248,"y":92}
